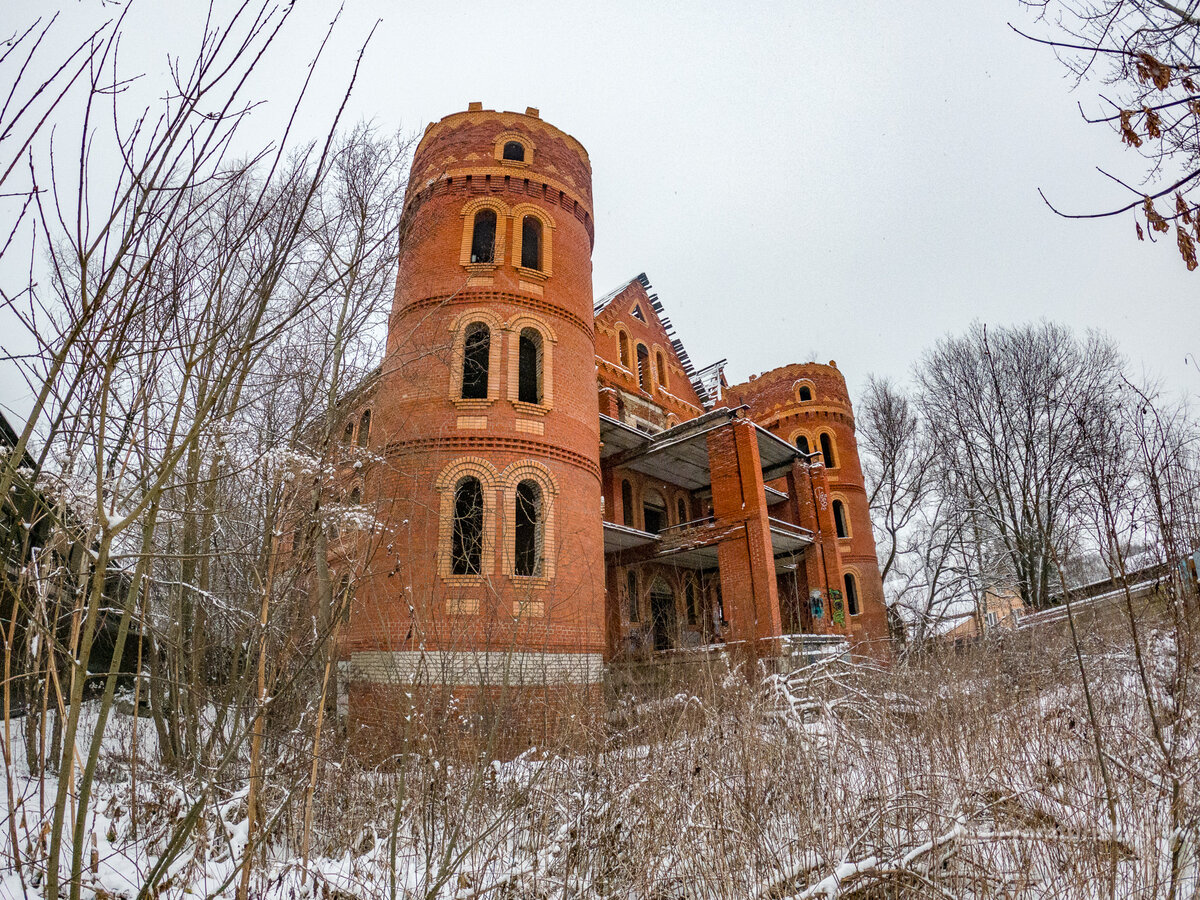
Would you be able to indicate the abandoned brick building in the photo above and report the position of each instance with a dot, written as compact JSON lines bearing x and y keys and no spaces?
{"x":557,"y":486}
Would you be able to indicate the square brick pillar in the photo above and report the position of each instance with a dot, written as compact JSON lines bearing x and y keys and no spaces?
{"x":745,"y":559}
{"x":822,"y":563}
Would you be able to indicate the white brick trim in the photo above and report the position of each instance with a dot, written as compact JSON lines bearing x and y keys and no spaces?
{"x":476,"y":667}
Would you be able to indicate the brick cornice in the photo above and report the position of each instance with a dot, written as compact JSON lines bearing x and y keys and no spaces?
{"x":493,"y":443}
{"x":473,"y":297}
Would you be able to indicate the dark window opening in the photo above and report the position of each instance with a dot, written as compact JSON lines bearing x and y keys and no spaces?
{"x":805,"y":393}
{"x":851,"y":594}
{"x":344,"y":597}
{"x":681,"y":508}
{"x":531,"y":242}
{"x":627,"y":504}
{"x":638,"y":314}
{"x":623,"y":341}
{"x":483,"y":237}
{"x":661,"y":363}
{"x":356,"y":496}
{"x":529,"y":375}
{"x":839,"y":519}
{"x":348,"y":434}
{"x":528,"y":528}
{"x":643,"y":358}
{"x":689,"y":594}
{"x":631,"y":589}
{"x":514,"y":150}
{"x":720,"y":605}
{"x":364,"y":428}
{"x":827,"y":451}
{"x":654,"y":513}
{"x":802,"y":444}
{"x":476,"y":350}
{"x":662,"y":615}
{"x":466,"y":550}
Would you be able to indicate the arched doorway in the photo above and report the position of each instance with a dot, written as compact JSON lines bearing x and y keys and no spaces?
{"x":662,"y":615}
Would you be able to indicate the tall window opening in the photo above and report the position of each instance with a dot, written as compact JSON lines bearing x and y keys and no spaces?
{"x":627,"y":504}
{"x":851,"y":594}
{"x":689,"y":595}
{"x":531,"y":242}
{"x":631,"y":589}
{"x":476,"y":350}
{"x":529,"y":368}
{"x":344,"y":597}
{"x":839,"y":519}
{"x":662,"y":615}
{"x":654,"y":512}
{"x":681,"y":508}
{"x":356,"y":497}
{"x":643,"y":361}
{"x":805,"y":393}
{"x":466,"y":550}
{"x":483,"y":237}
{"x":364,"y":428}
{"x":348,"y":434}
{"x":802,"y":444}
{"x":827,"y":451}
{"x":514,"y":150}
{"x":529,"y":529}
{"x":661,"y":364}
{"x":623,"y":343}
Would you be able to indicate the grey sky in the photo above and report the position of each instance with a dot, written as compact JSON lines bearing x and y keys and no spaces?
{"x":797,"y":179}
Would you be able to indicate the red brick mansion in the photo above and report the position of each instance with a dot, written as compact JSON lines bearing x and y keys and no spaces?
{"x":558,"y":487}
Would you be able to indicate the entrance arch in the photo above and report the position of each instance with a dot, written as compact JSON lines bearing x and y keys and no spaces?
{"x":662,"y":615}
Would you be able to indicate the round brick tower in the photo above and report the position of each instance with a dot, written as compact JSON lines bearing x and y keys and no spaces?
{"x":808,"y":405}
{"x":488,"y":576}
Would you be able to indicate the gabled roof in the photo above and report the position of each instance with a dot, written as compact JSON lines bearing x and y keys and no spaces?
{"x":702,"y":385}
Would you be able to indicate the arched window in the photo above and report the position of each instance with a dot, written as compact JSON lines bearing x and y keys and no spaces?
{"x":689,"y":596}
{"x":839,"y":519}
{"x":356,"y":496}
{"x":627,"y":504}
{"x":827,"y":451}
{"x":631,"y":589}
{"x":654,"y":512}
{"x":623,"y":344}
{"x":364,"y":428}
{"x":483,"y":237}
{"x":662,"y":615}
{"x":528,"y":529}
{"x":681,"y":508}
{"x":529,"y":377}
{"x":514,"y":150}
{"x":802,"y":443}
{"x":643,"y":360}
{"x":466,"y":546}
{"x":476,"y":349}
{"x":805,"y":393}
{"x":348,"y":434}
{"x":660,"y":362}
{"x":851,"y":594}
{"x":531,"y":242}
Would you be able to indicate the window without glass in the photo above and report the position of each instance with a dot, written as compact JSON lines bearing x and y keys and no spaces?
{"x":476,"y":349}
{"x":356,"y":496}
{"x":805,"y":393}
{"x":466,"y":550}
{"x":348,"y":434}
{"x":631,"y":594}
{"x":839,"y":519}
{"x":643,"y":359}
{"x":689,"y":596}
{"x":623,"y":343}
{"x":681,"y":508}
{"x":531,"y":242}
{"x":661,"y":363}
{"x":514,"y":150}
{"x":654,"y":512}
{"x":483,"y":237}
{"x":529,"y":529}
{"x":802,"y":444}
{"x":827,"y":451}
{"x":344,"y":597}
{"x":851,"y":594}
{"x":627,"y":504}
{"x":529,"y":366}
{"x":364,"y":428}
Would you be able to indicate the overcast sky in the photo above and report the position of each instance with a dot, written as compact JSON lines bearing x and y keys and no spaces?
{"x":798,"y":180}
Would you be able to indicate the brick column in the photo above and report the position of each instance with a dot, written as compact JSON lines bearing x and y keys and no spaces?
{"x":746,"y":561}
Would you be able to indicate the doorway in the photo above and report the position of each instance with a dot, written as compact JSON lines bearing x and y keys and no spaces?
{"x":662,"y":615}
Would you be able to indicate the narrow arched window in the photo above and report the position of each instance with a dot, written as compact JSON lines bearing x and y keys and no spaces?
{"x":514,"y":150}
{"x":851,"y":594}
{"x":631,"y":589}
{"x":643,"y":359}
{"x":654,"y":512}
{"x":827,"y":451}
{"x":681,"y":508}
{"x":627,"y":503}
{"x":348,"y":434}
{"x":528,"y":528}
{"x":355,"y":497}
{"x":623,"y":343}
{"x":805,"y":393}
{"x":661,"y":363}
{"x":344,"y":598}
{"x":531,"y":242}
{"x":466,"y":546}
{"x":839,"y":519}
{"x":476,"y":350}
{"x":483,"y":237}
{"x":689,"y":596}
{"x":802,"y":444}
{"x":529,"y":366}
{"x":364,"y":428}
